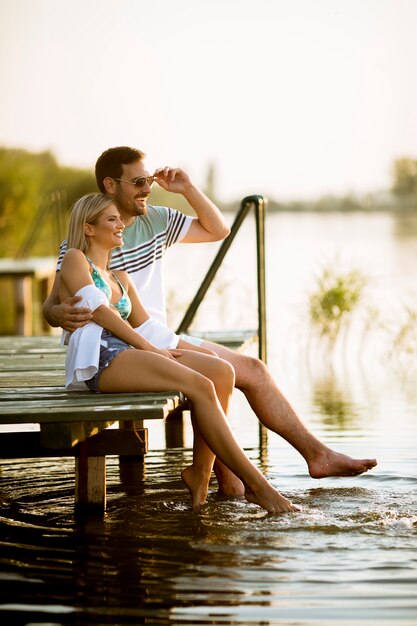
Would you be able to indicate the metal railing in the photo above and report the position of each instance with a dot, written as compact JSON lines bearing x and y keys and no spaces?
{"x":52,"y":209}
{"x":258,"y":203}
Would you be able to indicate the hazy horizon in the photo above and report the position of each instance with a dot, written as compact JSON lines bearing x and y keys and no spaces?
{"x":292,"y":100}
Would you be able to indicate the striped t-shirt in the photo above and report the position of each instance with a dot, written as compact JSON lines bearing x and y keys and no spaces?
{"x":141,"y":255}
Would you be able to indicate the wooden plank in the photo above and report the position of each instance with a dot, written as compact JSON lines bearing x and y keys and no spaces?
{"x":26,"y":378}
{"x":18,"y":350}
{"x":92,"y":408}
{"x":60,"y":392}
{"x":36,"y":365}
{"x":27,"y":413}
{"x":21,"y":445}
{"x":31,"y":361}
{"x":15,"y":344}
{"x":121,"y":442}
{"x":56,"y":396}
{"x":16,"y":393}
{"x":68,"y":435}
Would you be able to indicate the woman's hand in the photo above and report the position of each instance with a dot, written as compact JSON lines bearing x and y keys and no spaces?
{"x":169,"y":354}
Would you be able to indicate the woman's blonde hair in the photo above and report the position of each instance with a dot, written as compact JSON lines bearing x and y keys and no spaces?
{"x":85,"y":211}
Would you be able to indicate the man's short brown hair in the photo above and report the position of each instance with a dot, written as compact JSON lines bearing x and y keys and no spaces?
{"x":111,"y":162}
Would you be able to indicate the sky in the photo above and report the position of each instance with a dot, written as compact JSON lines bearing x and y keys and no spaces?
{"x":292,"y":99}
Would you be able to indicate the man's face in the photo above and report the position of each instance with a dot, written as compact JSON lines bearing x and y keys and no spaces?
{"x":129,"y":199}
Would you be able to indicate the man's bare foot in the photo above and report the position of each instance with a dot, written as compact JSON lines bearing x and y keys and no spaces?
{"x":271,"y":500}
{"x":197,"y":484}
{"x":331,"y":463}
{"x":229,"y":484}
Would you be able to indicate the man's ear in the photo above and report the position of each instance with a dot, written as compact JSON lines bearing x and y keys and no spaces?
{"x":109,"y":185}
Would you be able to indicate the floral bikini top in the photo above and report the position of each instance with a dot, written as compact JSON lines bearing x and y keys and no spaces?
{"x":123,"y":305}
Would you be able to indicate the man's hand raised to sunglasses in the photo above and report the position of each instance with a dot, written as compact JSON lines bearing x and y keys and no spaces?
{"x":173,"y":179}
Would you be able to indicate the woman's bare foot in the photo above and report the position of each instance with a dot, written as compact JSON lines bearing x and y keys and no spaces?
{"x":271,"y":500}
{"x":197,"y":484}
{"x":229,"y":484}
{"x":331,"y":463}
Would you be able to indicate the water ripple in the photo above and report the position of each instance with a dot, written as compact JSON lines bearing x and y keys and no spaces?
{"x":152,"y":559}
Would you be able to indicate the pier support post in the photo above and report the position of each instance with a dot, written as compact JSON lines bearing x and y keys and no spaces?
{"x":90,"y":482}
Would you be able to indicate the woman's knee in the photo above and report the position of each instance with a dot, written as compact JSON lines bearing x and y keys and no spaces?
{"x":203,"y":386}
{"x":222,"y":374}
{"x":227,"y":372}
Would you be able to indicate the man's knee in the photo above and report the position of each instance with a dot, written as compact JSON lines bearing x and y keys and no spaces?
{"x":249,"y":371}
{"x":209,"y":352}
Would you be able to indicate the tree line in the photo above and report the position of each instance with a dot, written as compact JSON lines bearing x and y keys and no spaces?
{"x":36,"y":193}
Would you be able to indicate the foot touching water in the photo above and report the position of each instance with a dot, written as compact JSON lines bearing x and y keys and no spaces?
{"x":271,"y":500}
{"x":197,"y":484}
{"x":331,"y":463}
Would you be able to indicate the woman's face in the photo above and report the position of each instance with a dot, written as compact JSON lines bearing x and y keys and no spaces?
{"x":108,"y":229}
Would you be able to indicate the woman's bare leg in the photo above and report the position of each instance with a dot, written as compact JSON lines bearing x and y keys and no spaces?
{"x":229,"y":483}
{"x":137,"y":370}
{"x":197,"y":475}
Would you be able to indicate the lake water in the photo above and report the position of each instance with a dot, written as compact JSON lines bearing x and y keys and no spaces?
{"x":349,"y":558}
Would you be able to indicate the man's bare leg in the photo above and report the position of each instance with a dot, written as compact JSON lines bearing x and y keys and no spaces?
{"x":276,"y":413}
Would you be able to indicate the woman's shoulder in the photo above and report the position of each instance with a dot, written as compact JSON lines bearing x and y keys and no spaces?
{"x":74,"y":255}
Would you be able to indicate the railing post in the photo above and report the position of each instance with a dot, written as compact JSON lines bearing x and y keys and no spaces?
{"x":259,"y":203}
{"x":260,"y":207}
{"x":212,"y":271}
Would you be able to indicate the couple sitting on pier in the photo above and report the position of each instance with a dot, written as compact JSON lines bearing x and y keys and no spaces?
{"x":129,"y":348}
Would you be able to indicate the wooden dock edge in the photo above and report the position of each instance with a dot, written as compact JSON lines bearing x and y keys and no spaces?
{"x":32,"y":391}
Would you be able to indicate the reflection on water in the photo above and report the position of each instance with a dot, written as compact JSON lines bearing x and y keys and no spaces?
{"x":152,"y":558}
{"x":348,"y":558}
{"x":333,"y":403}
{"x":405,"y":226}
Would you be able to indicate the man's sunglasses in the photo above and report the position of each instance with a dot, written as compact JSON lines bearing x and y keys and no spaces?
{"x":138,"y":182}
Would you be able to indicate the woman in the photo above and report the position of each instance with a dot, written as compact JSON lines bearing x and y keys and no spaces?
{"x":124,"y":350}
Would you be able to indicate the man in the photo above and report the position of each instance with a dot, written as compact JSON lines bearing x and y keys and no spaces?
{"x":121,"y":174}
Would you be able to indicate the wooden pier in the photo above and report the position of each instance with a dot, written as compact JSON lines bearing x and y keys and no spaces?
{"x":32,"y":391}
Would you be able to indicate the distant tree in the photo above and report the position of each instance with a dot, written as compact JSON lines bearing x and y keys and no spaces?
{"x":28,"y":182}
{"x":405,"y":177}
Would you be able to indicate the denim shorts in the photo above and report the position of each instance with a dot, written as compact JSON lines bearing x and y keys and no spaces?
{"x":110,"y":347}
